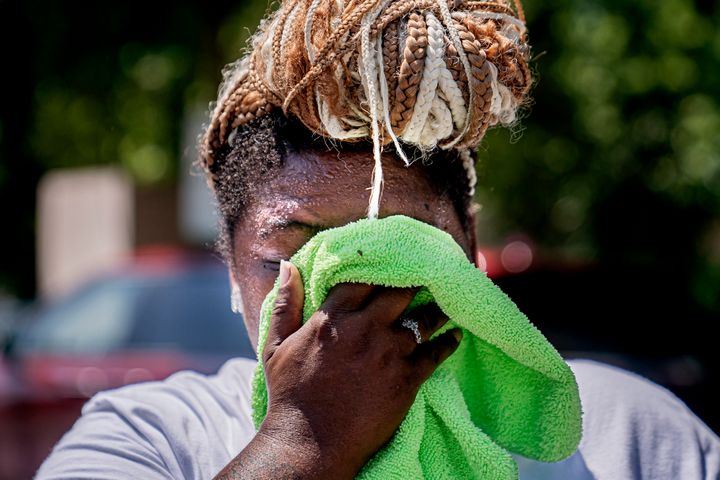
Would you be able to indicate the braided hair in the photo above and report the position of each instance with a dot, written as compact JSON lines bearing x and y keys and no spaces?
{"x":425,"y":78}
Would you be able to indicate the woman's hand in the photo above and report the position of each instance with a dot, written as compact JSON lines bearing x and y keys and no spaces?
{"x":340,"y":385}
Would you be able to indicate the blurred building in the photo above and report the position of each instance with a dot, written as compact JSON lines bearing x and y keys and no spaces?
{"x":84,"y":223}
{"x":91,"y":219}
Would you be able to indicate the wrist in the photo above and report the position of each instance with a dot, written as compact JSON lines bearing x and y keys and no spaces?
{"x":290,"y":436}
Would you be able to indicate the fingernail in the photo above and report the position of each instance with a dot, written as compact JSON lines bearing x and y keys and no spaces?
{"x":458,"y":334}
{"x":284,"y":272}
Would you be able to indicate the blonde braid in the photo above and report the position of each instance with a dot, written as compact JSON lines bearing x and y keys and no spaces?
{"x":277,"y":50}
{"x":385,"y":97}
{"x":459,"y":75}
{"x":426,"y":73}
{"x":469,"y":165}
{"x":326,"y":54}
{"x":308,"y":30}
{"x":454,"y":97}
{"x":426,"y":92}
{"x":369,"y":51}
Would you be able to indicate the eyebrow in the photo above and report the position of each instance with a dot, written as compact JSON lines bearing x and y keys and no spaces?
{"x":280,"y":225}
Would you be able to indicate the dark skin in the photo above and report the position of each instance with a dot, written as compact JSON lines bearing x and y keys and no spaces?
{"x":340,"y":385}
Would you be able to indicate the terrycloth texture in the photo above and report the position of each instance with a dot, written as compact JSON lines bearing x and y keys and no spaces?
{"x":505,"y":389}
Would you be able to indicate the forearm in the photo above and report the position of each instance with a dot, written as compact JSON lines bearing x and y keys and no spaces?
{"x":262,"y":460}
{"x":272,"y":457}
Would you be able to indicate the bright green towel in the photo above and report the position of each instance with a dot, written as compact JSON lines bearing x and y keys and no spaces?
{"x":505,"y":389}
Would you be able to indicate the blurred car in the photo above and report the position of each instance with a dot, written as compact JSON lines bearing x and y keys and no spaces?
{"x":162,"y":313}
{"x":9,"y":308}
{"x":168,"y":312}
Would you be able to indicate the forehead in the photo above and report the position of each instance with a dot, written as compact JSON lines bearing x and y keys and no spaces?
{"x":330,"y":172}
{"x":329,"y":189}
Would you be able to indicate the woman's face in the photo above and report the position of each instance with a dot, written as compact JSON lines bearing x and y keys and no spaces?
{"x":314,"y":191}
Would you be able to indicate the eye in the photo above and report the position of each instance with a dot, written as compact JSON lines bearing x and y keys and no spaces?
{"x":273,"y":265}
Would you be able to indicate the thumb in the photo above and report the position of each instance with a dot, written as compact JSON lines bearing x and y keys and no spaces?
{"x":286,"y":317}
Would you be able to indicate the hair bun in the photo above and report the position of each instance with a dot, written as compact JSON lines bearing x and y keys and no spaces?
{"x":423,"y":72}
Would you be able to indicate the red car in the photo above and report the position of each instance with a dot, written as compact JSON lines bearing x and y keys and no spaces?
{"x":158,"y":315}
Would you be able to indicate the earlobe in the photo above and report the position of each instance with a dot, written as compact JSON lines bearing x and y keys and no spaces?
{"x":236,"y":304}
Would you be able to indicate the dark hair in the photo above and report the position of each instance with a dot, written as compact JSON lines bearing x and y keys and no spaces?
{"x":260,"y":146}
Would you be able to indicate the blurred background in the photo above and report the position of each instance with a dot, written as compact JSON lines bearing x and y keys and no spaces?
{"x":599,"y":215}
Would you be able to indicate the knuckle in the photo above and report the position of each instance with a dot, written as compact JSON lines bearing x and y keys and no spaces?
{"x":431,"y":317}
{"x":435,"y":354}
{"x":267,"y":355}
{"x":431,"y":357}
{"x":342,"y":307}
{"x":414,"y":379}
{"x":386,"y":359}
{"x":426,"y":322}
{"x":326,"y":330}
{"x":281,"y":307}
{"x":335,"y":313}
{"x":427,"y":369}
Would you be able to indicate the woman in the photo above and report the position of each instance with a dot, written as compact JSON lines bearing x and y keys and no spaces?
{"x":333,"y":98}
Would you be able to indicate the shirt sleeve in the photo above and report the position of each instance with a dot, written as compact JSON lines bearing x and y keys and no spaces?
{"x":102,"y":445}
{"x":635,"y":429}
{"x":186,"y":427}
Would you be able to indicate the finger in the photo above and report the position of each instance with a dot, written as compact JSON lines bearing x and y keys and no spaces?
{"x":428,"y":356}
{"x":387,"y":304}
{"x":347,"y":297}
{"x":286,"y":317}
{"x":429,"y":319}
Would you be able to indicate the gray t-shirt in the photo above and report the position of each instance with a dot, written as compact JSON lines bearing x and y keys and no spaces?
{"x":190,"y":426}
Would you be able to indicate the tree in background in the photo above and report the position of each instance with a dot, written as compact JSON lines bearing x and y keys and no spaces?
{"x":619,"y":160}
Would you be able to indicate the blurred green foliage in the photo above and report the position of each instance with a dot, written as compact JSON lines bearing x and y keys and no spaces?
{"x":617,"y":159}
{"x":127,"y":107}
